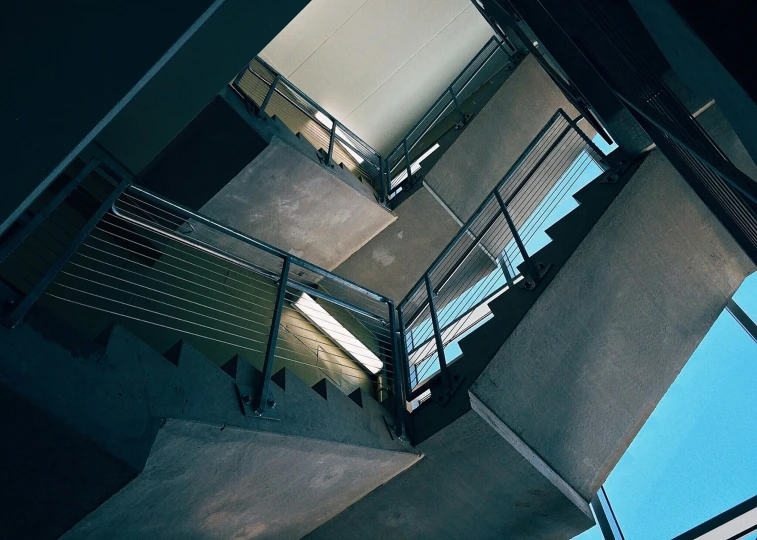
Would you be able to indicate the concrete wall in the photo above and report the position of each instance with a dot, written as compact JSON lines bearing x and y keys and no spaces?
{"x":75,"y":68}
{"x":236,"y":32}
{"x":590,"y":361}
{"x":489,"y":146}
{"x":70,"y":66}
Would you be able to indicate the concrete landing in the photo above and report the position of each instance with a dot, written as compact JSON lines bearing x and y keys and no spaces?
{"x":393,"y":261}
{"x":592,"y":358}
{"x":292,"y":202}
{"x":470,"y":484}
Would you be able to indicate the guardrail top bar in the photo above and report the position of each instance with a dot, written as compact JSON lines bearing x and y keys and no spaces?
{"x":315,"y":105}
{"x":256,"y":243}
{"x":463,"y":230}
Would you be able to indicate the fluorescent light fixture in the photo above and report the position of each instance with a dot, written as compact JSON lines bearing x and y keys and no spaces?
{"x":328,"y":123}
{"x":338,"y":333}
{"x":415,"y":165}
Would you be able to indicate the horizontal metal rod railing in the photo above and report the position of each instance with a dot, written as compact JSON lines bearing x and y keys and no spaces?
{"x":401,"y":162}
{"x":133,"y":257}
{"x":480,"y":262}
{"x":262,"y":84}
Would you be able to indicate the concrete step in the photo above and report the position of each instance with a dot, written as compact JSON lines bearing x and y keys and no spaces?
{"x":502,"y":487}
{"x":124,"y":437}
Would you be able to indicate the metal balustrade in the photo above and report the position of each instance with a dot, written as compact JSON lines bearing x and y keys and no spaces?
{"x":274,"y":95}
{"x":446,"y":112}
{"x":486,"y":256}
{"x":726,"y":190}
{"x":98,"y":250}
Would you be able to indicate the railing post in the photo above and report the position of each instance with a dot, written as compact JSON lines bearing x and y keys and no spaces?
{"x":383,"y":174}
{"x":261,"y":401}
{"x":269,"y":95}
{"x":529,"y":262}
{"x":407,"y":160}
{"x":332,"y":138}
{"x":504,"y":262}
{"x":604,"y":165}
{"x":457,"y":105}
{"x":399,"y":385}
{"x":403,"y":350}
{"x":446,"y":381}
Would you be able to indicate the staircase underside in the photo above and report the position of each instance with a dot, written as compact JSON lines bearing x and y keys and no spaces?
{"x":588,"y":364}
{"x":556,"y":385}
{"x":133,"y":444}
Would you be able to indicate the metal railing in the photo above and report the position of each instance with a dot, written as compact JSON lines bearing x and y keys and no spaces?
{"x":100,"y":251}
{"x":729,"y":193}
{"x":487,"y":255}
{"x":273,"y":94}
{"x":445,"y":113}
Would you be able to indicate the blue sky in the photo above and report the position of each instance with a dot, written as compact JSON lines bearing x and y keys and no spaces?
{"x":696,"y":456}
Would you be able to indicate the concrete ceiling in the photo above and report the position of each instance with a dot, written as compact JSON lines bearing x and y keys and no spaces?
{"x":378,"y":65}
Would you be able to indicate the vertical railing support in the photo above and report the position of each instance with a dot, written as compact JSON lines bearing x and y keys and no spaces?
{"x":269,"y":95}
{"x":262,"y":401}
{"x":457,"y":104}
{"x":332,"y":138}
{"x":504,"y":263}
{"x":399,"y":386}
{"x":384,"y":174}
{"x":444,"y":370}
{"x":527,"y":260}
{"x":403,"y":350}
{"x":407,"y":160}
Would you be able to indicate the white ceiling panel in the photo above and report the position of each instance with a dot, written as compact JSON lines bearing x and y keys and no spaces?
{"x":395,"y":106}
{"x":307,"y":32}
{"x":377,"y":65}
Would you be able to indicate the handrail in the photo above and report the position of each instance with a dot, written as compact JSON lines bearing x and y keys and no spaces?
{"x":255,"y":242}
{"x":373,"y":164}
{"x":456,"y":285}
{"x":486,"y":57}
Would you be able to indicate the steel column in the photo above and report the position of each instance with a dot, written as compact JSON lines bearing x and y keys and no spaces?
{"x":399,"y":385}
{"x":269,"y":95}
{"x":446,"y":381}
{"x":530,"y":266}
{"x":407,"y":160}
{"x":457,"y":105}
{"x":261,"y":400}
{"x":35,"y":222}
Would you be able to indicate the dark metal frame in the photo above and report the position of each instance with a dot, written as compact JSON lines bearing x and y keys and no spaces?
{"x":260,"y":403}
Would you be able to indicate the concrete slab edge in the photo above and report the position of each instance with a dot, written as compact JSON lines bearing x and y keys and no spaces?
{"x":531,"y":456}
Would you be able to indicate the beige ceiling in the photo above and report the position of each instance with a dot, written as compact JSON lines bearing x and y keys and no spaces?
{"x":377,"y":65}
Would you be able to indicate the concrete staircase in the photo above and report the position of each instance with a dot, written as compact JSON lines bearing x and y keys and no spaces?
{"x":118,"y":441}
{"x":555,"y":386}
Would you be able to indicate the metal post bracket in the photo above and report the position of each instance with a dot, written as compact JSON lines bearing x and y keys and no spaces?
{"x":528,"y":282}
{"x":443,"y":394}
{"x":246,"y":395}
